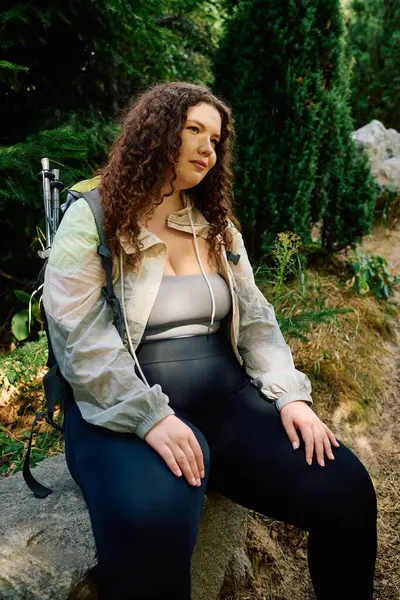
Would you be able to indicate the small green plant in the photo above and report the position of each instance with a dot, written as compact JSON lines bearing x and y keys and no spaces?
{"x":298,"y":306}
{"x":24,"y":320}
{"x":284,"y":252}
{"x":372,"y":274}
{"x":21,"y":365}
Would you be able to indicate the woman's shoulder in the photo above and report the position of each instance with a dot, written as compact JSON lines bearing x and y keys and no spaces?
{"x":78,"y":220}
{"x":76,"y":236}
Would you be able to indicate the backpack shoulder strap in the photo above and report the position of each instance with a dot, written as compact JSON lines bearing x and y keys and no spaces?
{"x":94,"y":200}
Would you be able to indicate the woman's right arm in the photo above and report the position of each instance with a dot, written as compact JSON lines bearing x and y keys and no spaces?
{"x":92,"y":357}
{"x":86,"y":344}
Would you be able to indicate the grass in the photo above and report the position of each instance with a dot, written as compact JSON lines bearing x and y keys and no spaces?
{"x":339,"y":340}
{"x":12,"y":448}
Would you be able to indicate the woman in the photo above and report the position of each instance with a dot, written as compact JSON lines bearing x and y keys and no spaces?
{"x":203,"y":394}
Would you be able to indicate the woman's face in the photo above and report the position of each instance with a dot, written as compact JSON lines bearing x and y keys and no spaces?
{"x":200,"y":135}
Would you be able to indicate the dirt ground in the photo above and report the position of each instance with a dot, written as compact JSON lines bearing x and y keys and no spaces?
{"x":279,"y":551}
{"x":378,"y":443}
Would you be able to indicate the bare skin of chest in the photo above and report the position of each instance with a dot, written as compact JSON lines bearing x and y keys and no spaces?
{"x":181,"y":257}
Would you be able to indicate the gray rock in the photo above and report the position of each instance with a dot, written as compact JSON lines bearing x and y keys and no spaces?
{"x":46,"y":545}
{"x":239,"y":575}
{"x":47,"y":549}
{"x":222,"y":531}
{"x":383,"y":149}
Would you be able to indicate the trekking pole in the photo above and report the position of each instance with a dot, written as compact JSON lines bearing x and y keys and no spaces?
{"x":51,"y":197}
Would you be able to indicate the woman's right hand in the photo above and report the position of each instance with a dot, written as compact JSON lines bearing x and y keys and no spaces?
{"x":176,"y":443}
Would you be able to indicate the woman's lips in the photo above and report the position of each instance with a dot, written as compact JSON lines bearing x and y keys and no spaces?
{"x":198,"y":165}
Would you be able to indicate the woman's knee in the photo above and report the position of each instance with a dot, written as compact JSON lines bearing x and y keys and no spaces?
{"x":356,"y":502}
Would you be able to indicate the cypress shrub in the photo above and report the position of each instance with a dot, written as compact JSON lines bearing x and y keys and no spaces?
{"x":345,"y":196}
{"x":281,"y":66}
{"x":347,"y":182}
{"x":267,"y":67}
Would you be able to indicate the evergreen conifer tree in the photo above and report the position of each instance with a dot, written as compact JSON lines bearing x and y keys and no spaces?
{"x":373,"y":51}
{"x":281,"y":67}
{"x":275,"y":91}
{"x":348,"y":197}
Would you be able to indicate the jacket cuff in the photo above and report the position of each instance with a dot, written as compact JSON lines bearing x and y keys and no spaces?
{"x":292,"y":397}
{"x":152,"y":418}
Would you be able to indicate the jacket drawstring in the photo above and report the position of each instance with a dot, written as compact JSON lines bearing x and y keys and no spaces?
{"x":131,"y":348}
{"x":202,"y":270}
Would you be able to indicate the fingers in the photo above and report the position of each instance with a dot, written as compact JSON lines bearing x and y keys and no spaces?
{"x":292,"y":434}
{"x":166,"y":453}
{"x":318,"y":445}
{"x":189,"y":466}
{"x":328,"y":449}
{"x":331,"y":436}
{"x":198,"y":454}
{"x":182,"y":464}
{"x":176,"y":443}
{"x":318,"y":439}
{"x":308,"y":437}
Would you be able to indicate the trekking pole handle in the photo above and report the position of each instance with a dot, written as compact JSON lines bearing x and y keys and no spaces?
{"x":55,"y":186}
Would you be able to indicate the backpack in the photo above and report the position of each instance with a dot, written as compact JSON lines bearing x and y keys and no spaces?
{"x":55,"y":386}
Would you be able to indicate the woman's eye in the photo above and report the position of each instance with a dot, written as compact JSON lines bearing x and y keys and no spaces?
{"x":215,"y":142}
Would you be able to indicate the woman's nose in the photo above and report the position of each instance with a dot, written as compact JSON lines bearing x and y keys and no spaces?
{"x":206,"y":148}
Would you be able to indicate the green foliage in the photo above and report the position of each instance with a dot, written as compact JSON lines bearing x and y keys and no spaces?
{"x":349,"y":185}
{"x":19,"y":325}
{"x":66,"y":69}
{"x":298,"y":307}
{"x":373,"y":51}
{"x":297,"y":325}
{"x":281,"y":66}
{"x":77,"y":146}
{"x":22,"y":364}
{"x":23,"y":320}
{"x":85,"y":56}
{"x":373,"y":274}
{"x":20,"y":368}
{"x":275,"y":92}
{"x":12,"y":448}
{"x":284,"y":251}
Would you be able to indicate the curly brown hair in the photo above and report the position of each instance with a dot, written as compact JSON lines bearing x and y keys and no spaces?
{"x":132,"y":177}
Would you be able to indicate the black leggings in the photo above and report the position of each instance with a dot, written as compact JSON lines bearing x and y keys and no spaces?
{"x":145,"y":519}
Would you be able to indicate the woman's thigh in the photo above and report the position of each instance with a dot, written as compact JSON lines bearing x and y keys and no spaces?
{"x":253,"y":463}
{"x":134,"y":499}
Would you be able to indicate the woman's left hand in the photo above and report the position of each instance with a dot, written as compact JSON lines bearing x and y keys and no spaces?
{"x":315,"y":433}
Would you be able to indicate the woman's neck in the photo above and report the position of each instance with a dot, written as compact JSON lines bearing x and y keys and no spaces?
{"x":169,"y":205}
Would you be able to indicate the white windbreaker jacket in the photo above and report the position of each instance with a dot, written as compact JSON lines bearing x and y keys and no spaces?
{"x":98,"y":364}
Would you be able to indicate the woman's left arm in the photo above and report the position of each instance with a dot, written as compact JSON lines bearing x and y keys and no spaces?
{"x":268,"y":359}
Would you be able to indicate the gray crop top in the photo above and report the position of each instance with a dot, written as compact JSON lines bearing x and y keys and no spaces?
{"x":183,"y":307}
